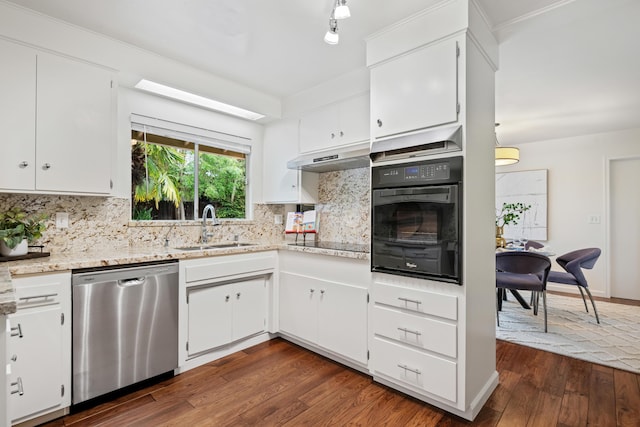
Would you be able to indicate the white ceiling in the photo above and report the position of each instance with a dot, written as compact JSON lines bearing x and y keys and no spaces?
{"x":567,"y":67}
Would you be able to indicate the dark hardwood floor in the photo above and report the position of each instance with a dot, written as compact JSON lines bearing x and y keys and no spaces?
{"x":279,"y":383}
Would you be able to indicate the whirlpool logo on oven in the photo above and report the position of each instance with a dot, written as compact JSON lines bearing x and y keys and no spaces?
{"x":411,"y":265}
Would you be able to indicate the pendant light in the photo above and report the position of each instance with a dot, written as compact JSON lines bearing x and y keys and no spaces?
{"x":505,"y":155}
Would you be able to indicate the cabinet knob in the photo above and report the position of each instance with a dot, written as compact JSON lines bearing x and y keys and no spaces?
{"x":226,"y":298}
{"x":23,"y":165}
{"x":238,"y":295}
{"x":341,"y":133}
{"x":46,"y":166}
{"x":322,"y":291}
{"x":14,"y":358}
{"x":312,"y":290}
{"x":379,"y":122}
{"x":333,"y":135}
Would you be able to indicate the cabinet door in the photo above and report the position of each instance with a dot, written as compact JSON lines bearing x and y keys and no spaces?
{"x":280,"y":146}
{"x":281,"y":184}
{"x":342,"y":320}
{"x":415,"y":91}
{"x":298,"y":307}
{"x":319,"y":129}
{"x":354,"y":119}
{"x":249,"y":307}
{"x":35,"y":348}
{"x":75,"y":132}
{"x":209,"y":320}
{"x":17,"y":117}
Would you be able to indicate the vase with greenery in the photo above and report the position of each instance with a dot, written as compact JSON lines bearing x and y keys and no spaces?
{"x":509,"y":215}
{"x":17,"y":229}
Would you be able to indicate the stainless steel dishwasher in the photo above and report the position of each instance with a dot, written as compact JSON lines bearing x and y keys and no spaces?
{"x":125,"y":327}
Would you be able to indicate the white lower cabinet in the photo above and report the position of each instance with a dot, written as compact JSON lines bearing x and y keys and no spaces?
{"x":414,"y":338}
{"x":39,"y":346}
{"x":323,"y":301}
{"x":220,"y":314}
{"x":224,"y":300}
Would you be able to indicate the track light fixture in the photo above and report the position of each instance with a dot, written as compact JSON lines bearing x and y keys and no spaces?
{"x":332,"y":37}
{"x":340,"y":11}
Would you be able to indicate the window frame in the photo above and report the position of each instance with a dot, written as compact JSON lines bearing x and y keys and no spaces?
{"x":198,"y":137}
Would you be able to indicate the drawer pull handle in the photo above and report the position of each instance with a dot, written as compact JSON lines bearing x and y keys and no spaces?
{"x":409,"y":331}
{"x":23,"y":165}
{"x":16,"y":331}
{"x":414,"y":301}
{"x":18,"y":383}
{"x":45,"y":296}
{"x":406,"y":368}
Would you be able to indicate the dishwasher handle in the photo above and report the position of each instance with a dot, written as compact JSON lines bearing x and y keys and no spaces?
{"x":135,"y":281}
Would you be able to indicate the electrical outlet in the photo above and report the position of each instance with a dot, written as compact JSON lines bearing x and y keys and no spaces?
{"x":62,"y":220}
{"x":277,"y":219}
{"x":593,"y":219}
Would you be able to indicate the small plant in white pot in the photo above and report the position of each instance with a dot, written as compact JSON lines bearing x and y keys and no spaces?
{"x":17,"y":230}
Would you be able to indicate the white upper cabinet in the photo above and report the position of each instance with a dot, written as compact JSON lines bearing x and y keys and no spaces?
{"x":57,"y":118}
{"x":17,"y":117}
{"x":416,"y":90}
{"x":280,"y":184}
{"x":338,"y":124}
{"x":74,"y":127}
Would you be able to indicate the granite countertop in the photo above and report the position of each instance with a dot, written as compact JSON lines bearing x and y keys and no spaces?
{"x":70,"y":260}
{"x":7,"y":295}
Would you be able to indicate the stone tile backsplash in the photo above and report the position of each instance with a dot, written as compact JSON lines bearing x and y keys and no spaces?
{"x":97,"y":223}
{"x":344,"y":206}
{"x":103,"y":223}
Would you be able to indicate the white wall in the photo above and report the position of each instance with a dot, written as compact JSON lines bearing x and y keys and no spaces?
{"x":577,"y":189}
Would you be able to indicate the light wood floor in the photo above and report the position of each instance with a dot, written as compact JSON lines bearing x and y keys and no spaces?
{"x":279,"y":383}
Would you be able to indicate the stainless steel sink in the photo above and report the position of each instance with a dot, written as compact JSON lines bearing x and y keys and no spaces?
{"x":214,"y":246}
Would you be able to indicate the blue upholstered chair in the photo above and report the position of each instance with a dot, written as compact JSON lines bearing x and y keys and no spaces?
{"x":573,"y":263}
{"x":522,"y":271}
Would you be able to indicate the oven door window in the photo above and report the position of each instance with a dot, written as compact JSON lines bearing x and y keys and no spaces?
{"x":416,"y":231}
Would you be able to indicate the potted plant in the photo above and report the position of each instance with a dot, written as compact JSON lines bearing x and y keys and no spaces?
{"x":17,"y":230}
{"x":508,"y":215}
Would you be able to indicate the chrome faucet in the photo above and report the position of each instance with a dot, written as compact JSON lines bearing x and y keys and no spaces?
{"x":215,"y":221}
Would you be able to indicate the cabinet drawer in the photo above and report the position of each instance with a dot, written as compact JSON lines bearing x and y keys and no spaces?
{"x":411,"y":367}
{"x":39,"y":291}
{"x":416,"y":330}
{"x":441,"y":305}
{"x":215,"y":267}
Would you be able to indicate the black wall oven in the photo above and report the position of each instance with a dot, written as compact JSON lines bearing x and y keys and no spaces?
{"x":417,"y":219}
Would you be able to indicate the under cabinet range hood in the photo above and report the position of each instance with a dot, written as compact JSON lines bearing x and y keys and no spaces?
{"x":422,"y":143}
{"x":339,"y":158}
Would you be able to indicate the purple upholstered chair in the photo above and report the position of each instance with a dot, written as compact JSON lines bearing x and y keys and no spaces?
{"x":533,"y":244}
{"x":524,"y":271}
{"x":573,"y":263}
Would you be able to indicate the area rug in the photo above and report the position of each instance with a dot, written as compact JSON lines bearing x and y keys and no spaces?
{"x":573,"y":332}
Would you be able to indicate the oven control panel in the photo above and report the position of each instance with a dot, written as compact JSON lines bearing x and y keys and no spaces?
{"x":426,"y":172}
